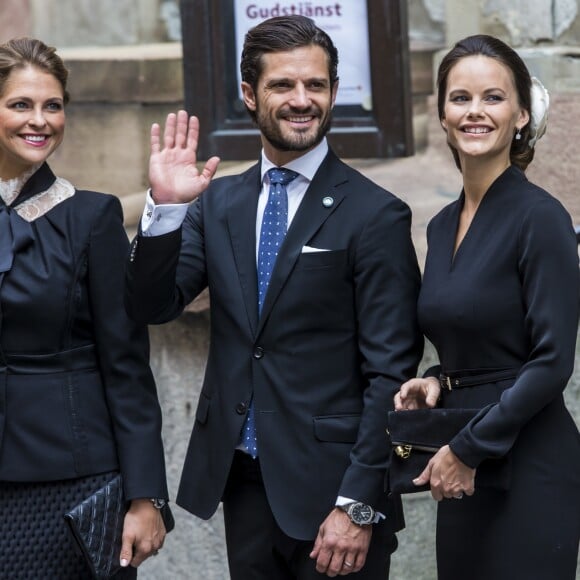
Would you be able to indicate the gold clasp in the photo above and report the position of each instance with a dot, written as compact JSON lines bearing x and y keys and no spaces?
{"x":403,"y":451}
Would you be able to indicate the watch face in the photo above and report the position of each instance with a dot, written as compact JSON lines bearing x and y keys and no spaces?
{"x":362,"y":513}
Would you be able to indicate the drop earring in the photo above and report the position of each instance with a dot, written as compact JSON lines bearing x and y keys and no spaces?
{"x":518,"y":135}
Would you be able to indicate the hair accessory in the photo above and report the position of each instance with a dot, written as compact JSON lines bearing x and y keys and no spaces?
{"x":540,"y":106}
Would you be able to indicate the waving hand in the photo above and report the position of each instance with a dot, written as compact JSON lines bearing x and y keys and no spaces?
{"x":173,"y":172}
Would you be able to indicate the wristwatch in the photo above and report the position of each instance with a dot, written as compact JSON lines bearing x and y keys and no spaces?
{"x":359,"y":513}
{"x":158,"y":502}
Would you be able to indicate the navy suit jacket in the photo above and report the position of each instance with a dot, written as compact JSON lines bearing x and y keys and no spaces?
{"x":336,"y":338}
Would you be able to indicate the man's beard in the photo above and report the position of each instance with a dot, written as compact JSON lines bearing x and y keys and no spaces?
{"x":294,"y":141}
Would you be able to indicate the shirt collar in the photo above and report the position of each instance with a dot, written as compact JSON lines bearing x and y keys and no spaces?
{"x":306,"y":165}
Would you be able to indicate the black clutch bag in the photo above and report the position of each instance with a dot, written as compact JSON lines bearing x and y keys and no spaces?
{"x":417,"y":435}
{"x":96,"y":525}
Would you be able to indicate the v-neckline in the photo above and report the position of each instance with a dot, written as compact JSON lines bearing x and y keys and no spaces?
{"x":455,"y":250}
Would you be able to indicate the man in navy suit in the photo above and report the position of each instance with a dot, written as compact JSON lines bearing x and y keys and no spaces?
{"x":305,"y":361}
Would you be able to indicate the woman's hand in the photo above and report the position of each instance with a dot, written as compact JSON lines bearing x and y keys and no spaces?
{"x":447,"y":475}
{"x":173,"y":173}
{"x":418,"y":394}
{"x":143,"y":533}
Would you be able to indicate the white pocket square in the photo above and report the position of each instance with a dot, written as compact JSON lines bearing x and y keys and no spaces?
{"x":310,"y":250}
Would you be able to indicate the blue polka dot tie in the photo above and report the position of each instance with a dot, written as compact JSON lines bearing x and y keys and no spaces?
{"x":274,"y":225}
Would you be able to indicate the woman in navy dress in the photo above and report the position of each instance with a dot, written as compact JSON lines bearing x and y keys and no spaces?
{"x":500,"y":302}
{"x":78,"y":402}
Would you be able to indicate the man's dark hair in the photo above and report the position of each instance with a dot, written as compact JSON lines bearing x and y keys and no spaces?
{"x":280,"y":34}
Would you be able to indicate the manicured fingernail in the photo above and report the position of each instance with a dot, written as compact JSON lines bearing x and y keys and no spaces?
{"x":124,"y":563}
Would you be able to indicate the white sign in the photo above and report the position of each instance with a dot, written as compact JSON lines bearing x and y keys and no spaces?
{"x":345,"y":21}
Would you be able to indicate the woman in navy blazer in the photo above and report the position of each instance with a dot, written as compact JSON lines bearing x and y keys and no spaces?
{"x":77,"y":398}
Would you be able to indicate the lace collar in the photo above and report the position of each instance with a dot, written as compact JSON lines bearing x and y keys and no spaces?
{"x":40,"y":203}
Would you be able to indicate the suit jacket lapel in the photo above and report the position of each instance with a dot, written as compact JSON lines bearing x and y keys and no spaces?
{"x":242,"y":208}
{"x":310,"y":216}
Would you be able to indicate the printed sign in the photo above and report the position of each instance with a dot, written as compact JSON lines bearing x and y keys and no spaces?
{"x":346,"y":22}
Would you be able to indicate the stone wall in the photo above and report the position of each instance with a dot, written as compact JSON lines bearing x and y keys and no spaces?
{"x":122,"y":22}
{"x":125,"y":75}
{"x":89,"y":22}
{"x":518,"y":22}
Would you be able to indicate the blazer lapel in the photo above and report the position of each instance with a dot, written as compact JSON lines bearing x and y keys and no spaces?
{"x":242,"y":209}
{"x":310,"y":216}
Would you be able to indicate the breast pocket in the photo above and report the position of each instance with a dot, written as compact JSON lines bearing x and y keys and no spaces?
{"x":319,"y":288}
{"x":321,"y":260}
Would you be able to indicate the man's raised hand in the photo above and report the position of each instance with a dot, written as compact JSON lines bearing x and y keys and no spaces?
{"x":173,"y":172}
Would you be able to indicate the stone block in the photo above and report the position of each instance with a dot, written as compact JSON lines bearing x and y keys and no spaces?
{"x":116,"y":94}
{"x":14,"y":19}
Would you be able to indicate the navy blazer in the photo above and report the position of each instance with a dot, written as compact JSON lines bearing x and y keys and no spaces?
{"x":336,"y":338}
{"x":77,"y":396}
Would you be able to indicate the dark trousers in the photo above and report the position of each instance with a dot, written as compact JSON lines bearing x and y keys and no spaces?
{"x":259,"y":550}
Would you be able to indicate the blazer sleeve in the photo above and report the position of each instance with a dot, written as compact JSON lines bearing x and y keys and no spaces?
{"x":123,"y":354}
{"x":165,"y":273}
{"x":387,"y":281}
{"x":550,"y":286}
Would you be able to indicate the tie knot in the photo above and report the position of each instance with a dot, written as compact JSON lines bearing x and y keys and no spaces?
{"x":281,"y":175}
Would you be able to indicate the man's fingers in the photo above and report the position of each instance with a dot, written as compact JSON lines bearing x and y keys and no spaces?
{"x":361,"y":558}
{"x":353,"y":562}
{"x":210,"y":168}
{"x":155,"y":135}
{"x":323,"y":560}
{"x":336,"y":565}
{"x":181,"y":132}
{"x":169,"y":130}
{"x":316,"y":549}
{"x":193,"y":133}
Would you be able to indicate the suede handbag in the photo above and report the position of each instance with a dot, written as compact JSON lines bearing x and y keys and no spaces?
{"x":96,"y":526}
{"x":415,"y":437}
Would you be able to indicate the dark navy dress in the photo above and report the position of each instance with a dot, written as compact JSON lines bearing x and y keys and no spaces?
{"x":509,"y":299}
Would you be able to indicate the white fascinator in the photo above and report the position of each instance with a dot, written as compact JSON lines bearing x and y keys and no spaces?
{"x":540,"y":106}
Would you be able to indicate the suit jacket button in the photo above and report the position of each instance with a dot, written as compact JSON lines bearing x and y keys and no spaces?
{"x":241,"y":408}
{"x":258,"y":352}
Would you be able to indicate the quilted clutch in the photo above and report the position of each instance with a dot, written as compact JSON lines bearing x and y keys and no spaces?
{"x":96,"y":525}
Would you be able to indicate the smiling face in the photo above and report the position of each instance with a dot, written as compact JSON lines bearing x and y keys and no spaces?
{"x":293,"y":101}
{"x":482,"y":111}
{"x":32,"y":120}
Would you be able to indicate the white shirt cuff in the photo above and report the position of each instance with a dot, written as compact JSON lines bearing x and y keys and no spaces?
{"x":161,"y":219}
